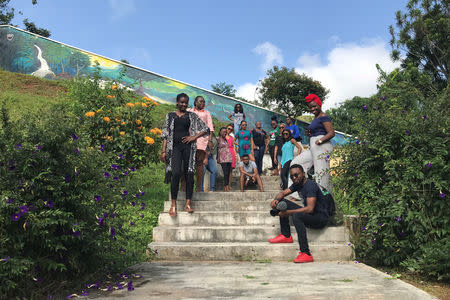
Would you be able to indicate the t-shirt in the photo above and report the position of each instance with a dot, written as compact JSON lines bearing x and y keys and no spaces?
{"x":181,"y":127}
{"x":311,"y":189}
{"x":248,"y":168}
{"x":288,"y":152}
{"x":316,"y":127}
{"x":238,"y":117}
{"x":272,"y":135}
{"x":295,"y":131}
{"x":259,"y":137}
{"x":279,"y":141}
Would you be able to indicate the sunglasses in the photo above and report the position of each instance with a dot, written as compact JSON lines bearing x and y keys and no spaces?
{"x":229,"y":128}
{"x":285,"y":133}
{"x":295,"y":175}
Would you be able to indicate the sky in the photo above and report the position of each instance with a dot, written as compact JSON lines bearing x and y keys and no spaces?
{"x":203,"y":42}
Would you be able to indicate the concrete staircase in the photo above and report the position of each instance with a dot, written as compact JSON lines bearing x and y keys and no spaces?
{"x":236,"y":226}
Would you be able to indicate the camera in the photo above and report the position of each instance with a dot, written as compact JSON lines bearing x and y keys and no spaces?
{"x":282,"y":205}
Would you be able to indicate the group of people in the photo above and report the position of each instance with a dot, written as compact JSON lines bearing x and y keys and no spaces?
{"x":189,"y":147}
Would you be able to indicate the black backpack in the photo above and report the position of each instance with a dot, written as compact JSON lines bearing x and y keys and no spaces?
{"x":331,"y":206}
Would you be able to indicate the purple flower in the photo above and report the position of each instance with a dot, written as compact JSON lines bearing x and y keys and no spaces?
{"x":137,"y":195}
{"x":142,"y":216}
{"x":156,"y":251}
{"x":357,"y":262}
{"x":112,"y":231}
{"x":107,"y":175}
{"x":349,"y":244}
{"x":76,"y":173}
{"x":71,"y":296}
{"x":372,"y":241}
{"x":142,"y":193}
{"x":74,"y":136}
{"x":101,"y":222}
{"x":380,"y":224}
{"x":5,"y":259}
{"x":23,"y":209}
{"x":130,"y":286}
{"x":49,"y":204}
{"x":102,"y":148}
{"x":105,"y":215}
{"x":364,"y":228}
{"x":429,"y":165}
{"x":115,"y":167}
{"x":408,"y":132}
{"x":402,"y":233}
{"x":374,"y":108}
{"x":97,"y":198}
{"x":67,"y":178}
{"x":357,"y":142}
{"x":76,"y":233}
{"x":396,"y":200}
{"x":9,"y":200}
{"x":125,"y":192}
{"x":133,"y":203}
{"x":84,"y":293}
{"x":403,"y":111}
{"x":18,"y":146}
{"x":442,"y":195}
{"x":119,"y":286}
{"x":356,"y":175}
{"x":108,"y":288}
{"x":364,"y":107}
{"x":38,"y":147}
{"x":425,"y":117}
{"x":116,"y":178}
{"x":121,"y":156}
{"x":383,"y":98}
{"x":77,"y":151}
{"x":398,"y":219}
{"x":132,"y":169}
{"x":126,"y":173}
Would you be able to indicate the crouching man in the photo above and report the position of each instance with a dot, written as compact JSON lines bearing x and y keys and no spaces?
{"x":249,"y":173}
{"x":314,"y":214}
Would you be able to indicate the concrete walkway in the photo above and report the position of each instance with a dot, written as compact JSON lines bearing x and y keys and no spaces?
{"x":278,"y":280}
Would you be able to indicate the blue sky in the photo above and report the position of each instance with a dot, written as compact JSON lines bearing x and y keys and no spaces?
{"x":205,"y":42}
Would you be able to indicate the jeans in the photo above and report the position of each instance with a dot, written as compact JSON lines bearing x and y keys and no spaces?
{"x":284,"y":174}
{"x":259,"y":155}
{"x":301,"y":221}
{"x":212,"y":168}
{"x":226,"y":167}
{"x":272,"y":157}
{"x":180,"y":157}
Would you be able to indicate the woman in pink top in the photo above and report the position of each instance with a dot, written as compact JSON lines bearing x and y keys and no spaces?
{"x":230,"y":140}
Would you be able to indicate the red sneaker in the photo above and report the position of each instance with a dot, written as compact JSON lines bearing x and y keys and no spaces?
{"x":303,"y":258}
{"x":281,"y":239}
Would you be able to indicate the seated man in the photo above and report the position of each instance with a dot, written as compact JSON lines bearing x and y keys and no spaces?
{"x":314,"y":214}
{"x":249,"y":173}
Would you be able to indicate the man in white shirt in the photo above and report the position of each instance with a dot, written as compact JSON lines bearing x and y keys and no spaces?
{"x":249,"y":173}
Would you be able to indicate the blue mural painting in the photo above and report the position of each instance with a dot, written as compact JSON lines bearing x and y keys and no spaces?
{"x":28,"y":53}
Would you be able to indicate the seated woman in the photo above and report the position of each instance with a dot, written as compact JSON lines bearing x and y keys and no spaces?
{"x":224,"y":157}
{"x":287,"y":155}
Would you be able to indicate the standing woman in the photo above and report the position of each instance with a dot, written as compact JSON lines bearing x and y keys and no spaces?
{"x":287,"y":156}
{"x":224,"y":157}
{"x":237,"y":117}
{"x":230,"y":140}
{"x":246,"y":144}
{"x":180,"y":132}
{"x":321,"y":132}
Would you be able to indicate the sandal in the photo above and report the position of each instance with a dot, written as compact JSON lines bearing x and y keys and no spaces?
{"x":173,"y":211}
{"x":188,"y":208}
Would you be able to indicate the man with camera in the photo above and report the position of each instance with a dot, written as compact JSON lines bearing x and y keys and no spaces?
{"x":314,"y":214}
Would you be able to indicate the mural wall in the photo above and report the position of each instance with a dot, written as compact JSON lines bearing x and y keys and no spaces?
{"x":27,"y":53}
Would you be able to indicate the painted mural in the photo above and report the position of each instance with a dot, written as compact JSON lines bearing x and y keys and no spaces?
{"x":27,"y":53}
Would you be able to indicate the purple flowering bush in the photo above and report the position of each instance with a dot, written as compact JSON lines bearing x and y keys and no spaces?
{"x":402,"y":162}
{"x":62,"y":198}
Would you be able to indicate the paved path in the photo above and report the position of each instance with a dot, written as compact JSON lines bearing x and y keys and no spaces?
{"x":247,"y":280}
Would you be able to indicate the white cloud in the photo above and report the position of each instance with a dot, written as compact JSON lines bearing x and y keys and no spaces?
{"x":271,"y":53}
{"x":121,"y":8}
{"x":349,"y":71}
{"x":248,"y":91}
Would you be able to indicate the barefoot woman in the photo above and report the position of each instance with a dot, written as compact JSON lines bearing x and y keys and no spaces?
{"x":180,"y":131}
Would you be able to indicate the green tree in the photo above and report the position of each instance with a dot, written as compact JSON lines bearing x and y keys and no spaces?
{"x":423,"y":36}
{"x":79,"y":61}
{"x":31,"y":27}
{"x":224,"y":89}
{"x":7,"y":14}
{"x":125,"y":61}
{"x":284,"y":91}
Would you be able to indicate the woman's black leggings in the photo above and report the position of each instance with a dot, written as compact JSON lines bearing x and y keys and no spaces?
{"x":284,"y":175}
{"x":180,"y":157}
{"x":226,"y":167}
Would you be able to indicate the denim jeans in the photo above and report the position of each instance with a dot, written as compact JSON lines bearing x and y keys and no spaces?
{"x":212,"y":168}
{"x":259,"y":155}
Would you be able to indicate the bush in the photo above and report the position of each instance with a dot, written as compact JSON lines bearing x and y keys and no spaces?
{"x":66,"y":194}
{"x":395,"y":172}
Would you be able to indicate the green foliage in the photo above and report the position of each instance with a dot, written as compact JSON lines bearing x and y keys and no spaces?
{"x":395,"y":172}
{"x":423,"y":36}
{"x":284,"y":91}
{"x":31,"y":27}
{"x":224,"y":89}
{"x":7,"y":15}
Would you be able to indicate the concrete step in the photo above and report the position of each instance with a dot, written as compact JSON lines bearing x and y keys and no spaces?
{"x":261,"y":251}
{"x":223,"y":218}
{"x":233,"y":195}
{"x":241,"y":234}
{"x":261,"y":205}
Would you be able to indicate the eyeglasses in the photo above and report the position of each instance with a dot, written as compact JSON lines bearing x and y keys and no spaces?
{"x":285,"y":133}
{"x":295,"y":175}
{"x":229,"y":128}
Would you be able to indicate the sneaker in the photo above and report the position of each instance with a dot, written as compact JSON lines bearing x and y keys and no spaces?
{"x":303,"y":258}
{"x":281,"y":239}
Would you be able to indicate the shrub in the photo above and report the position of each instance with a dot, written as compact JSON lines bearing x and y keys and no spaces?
{"x":395,"y":172}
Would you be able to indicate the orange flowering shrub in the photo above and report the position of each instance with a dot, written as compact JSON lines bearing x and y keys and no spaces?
{"x":107,"y":120}
{"x":90,"y":114}
{"x":110,"y":96}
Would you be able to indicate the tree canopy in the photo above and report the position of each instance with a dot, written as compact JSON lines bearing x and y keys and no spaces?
{"x":224,"y":89}
{"x":7,"y":14}
{"x":422,"y":36}
{"x":284,"y":91}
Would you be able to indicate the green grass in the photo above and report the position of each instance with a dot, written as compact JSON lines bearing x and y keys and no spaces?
{"x":249,"y":276}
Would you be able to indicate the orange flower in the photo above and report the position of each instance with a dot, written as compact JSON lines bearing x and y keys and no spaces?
{"x":123,"y":123}
{"x":90,"y":114}
{"x":139,"y":122}
{"x":114,"y":87}
{"x":146,"y":99}
{"x":144,"y":105}
{"x":137,"y":103}
{"x":106,"y":119}
{"x":117,"y":120}
{"x":130,"y":105}
{"x":155,"y":103}
{"x":110,"y":96}
{"x":140,"y":127}
{"x":149,"y":140}
{"x":122,"y":133}
{"x":99,"y":110}
{"x":153,"y":131}
{"x":109,"y":138}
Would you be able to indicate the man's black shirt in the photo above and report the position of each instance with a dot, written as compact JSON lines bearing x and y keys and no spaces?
{"x":311,"y":189}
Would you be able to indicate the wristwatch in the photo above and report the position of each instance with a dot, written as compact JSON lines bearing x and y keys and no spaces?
{"x":320,"y":142}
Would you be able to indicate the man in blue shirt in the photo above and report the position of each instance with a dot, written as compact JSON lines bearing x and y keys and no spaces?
{"x":294,"y":129}
{"x":314,"y":214}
